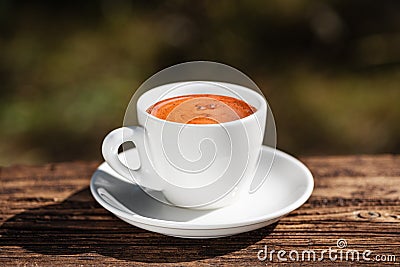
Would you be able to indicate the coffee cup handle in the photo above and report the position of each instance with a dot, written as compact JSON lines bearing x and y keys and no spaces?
{"x":145,"y":174}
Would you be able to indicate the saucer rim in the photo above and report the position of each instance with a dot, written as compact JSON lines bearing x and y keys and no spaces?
{"x":193,"y":226}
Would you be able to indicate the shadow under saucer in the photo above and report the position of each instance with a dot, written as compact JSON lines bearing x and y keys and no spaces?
{"x":79,"y":225}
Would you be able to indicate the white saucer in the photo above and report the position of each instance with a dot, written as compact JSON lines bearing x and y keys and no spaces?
{"x":287,"y":187}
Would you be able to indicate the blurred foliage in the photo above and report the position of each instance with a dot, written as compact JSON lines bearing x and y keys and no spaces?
{"x":329,"y":69}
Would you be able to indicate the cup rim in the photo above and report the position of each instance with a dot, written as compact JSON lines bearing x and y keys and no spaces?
{"x":263,"y":106}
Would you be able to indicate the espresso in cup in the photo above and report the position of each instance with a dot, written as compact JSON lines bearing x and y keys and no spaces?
{"x":201,"y":109}
{"x":198,"y":147}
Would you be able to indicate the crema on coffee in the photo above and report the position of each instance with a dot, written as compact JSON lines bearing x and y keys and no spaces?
{"x":201,"y":109}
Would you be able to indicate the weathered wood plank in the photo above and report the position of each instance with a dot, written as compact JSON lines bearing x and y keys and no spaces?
{"x":49,"y":218}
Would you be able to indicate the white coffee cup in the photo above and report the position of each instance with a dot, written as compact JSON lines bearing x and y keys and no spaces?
{"x":199,"y":166}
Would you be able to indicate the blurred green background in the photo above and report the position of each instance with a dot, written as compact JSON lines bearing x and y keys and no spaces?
{"x":329,"y":69}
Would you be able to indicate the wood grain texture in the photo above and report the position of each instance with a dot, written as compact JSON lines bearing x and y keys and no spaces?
{"x":49,"y":218}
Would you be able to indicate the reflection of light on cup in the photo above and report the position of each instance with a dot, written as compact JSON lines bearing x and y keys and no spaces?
{"x":189,"y":150}
{"x":202,"y":156}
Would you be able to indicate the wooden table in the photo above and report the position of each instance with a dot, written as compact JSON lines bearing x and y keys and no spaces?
{"x":49,"y":218}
